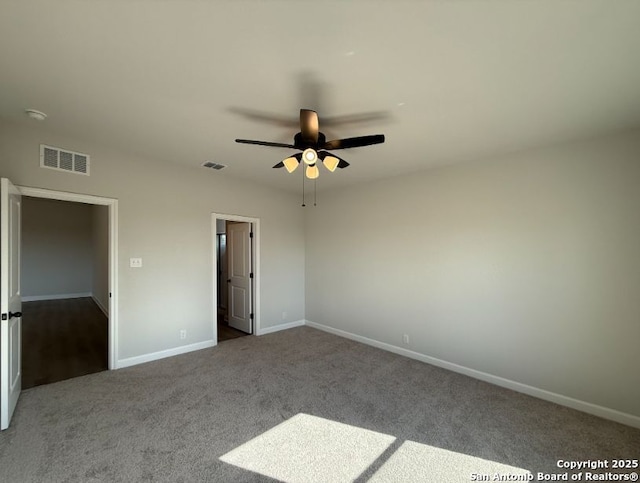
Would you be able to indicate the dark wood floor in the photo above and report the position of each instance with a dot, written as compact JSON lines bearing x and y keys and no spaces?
{"x":224,"y":331}
{"x":68,"y":338}
{"x":62,"y":339}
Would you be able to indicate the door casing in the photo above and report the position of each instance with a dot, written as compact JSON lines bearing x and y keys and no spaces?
{"x":112,"y":204}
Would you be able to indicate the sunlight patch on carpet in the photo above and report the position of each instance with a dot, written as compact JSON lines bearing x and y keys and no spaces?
{"x":420,"y":462}
{"x":308,"y":448}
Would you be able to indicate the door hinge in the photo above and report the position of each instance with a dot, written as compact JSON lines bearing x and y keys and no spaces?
{"x":4,"y":316}
{"x":251,"y":316}
{"x":250,"y":234}
{"x":251,"y":275}
{"x":109,"y":294}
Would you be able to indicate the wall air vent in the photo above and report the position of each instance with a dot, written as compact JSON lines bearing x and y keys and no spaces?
{"x":63,"y":160}
{"x":212,"y":165}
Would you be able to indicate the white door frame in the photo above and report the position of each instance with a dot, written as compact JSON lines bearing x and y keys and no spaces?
{"x":255,"y":255}
{"x":113,"y":252}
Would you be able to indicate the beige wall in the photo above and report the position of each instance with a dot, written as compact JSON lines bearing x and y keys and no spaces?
{"x":526,"y":268}
{"x":57,"y":248}
{"x":165,"y":218}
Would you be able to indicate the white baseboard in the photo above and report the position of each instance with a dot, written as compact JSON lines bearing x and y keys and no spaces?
{"x":154,"y":356}
{"x":33,"y":298}
{"x":276,"y":328}
{"x":100,"y":306}
{"x":583,"y":406}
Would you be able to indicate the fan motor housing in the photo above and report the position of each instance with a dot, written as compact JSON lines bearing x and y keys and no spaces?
{"x":301,"y":144}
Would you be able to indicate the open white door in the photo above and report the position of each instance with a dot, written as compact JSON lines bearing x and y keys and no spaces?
{"x":10,"y":301}
{"x":240,"y":273}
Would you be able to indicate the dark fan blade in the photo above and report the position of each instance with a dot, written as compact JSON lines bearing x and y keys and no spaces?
{"x":261,"y":116}
{"x":265,"y":143}
{"x":354,"y":142}
{"x":279,"y":165}
{"x":360,"y":118}
{"x":309,"y":125}
{"x":324,"y":154}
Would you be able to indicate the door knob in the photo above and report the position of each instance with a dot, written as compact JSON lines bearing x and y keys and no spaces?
{"x":14,"y":314}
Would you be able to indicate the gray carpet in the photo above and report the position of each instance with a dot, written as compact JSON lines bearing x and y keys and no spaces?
{"x":298,"y":405}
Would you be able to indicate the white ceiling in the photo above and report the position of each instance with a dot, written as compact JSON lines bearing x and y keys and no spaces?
{"x":448,"y":80}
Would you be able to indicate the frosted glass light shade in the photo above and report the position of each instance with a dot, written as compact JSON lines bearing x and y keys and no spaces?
{"x":312,"y":171}
{"x":331,"y":163}
{"x":291,"y":164}
{"x":309,"y":156}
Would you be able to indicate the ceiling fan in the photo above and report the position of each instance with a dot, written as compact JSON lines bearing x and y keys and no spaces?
{"x":314,"y":146}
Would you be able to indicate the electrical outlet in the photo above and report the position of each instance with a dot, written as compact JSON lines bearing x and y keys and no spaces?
{"x":405,"y":339}
{"x":183,"y":334}
{"x":135,"y":262}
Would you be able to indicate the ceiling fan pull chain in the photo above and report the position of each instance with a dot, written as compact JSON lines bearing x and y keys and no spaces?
{"x":315,"y":191}
{"x":302,"y":170}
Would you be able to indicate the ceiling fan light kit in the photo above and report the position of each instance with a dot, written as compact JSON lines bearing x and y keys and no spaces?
{"x":330,"y":162}
{"x":314,"y":146}
{"x":310,"y":156}
{"x":312,"y":171}
{"x":291,"y":164}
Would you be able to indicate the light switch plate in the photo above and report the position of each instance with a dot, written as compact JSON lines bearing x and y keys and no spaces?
{"x":135,"y":262}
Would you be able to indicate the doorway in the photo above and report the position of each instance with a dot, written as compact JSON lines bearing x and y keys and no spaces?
{"x":64,"y":288}
{"x":236,"y":279}
{"x":11,"y":298}
{"x":97,"y":306}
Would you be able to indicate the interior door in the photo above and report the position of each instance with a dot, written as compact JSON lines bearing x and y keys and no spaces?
{"x":239,"y":268}
{"x":10,"y":301}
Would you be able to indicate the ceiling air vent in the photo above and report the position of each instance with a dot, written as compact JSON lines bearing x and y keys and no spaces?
{"x":213,"y":165}
{"x":63,"y":160}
